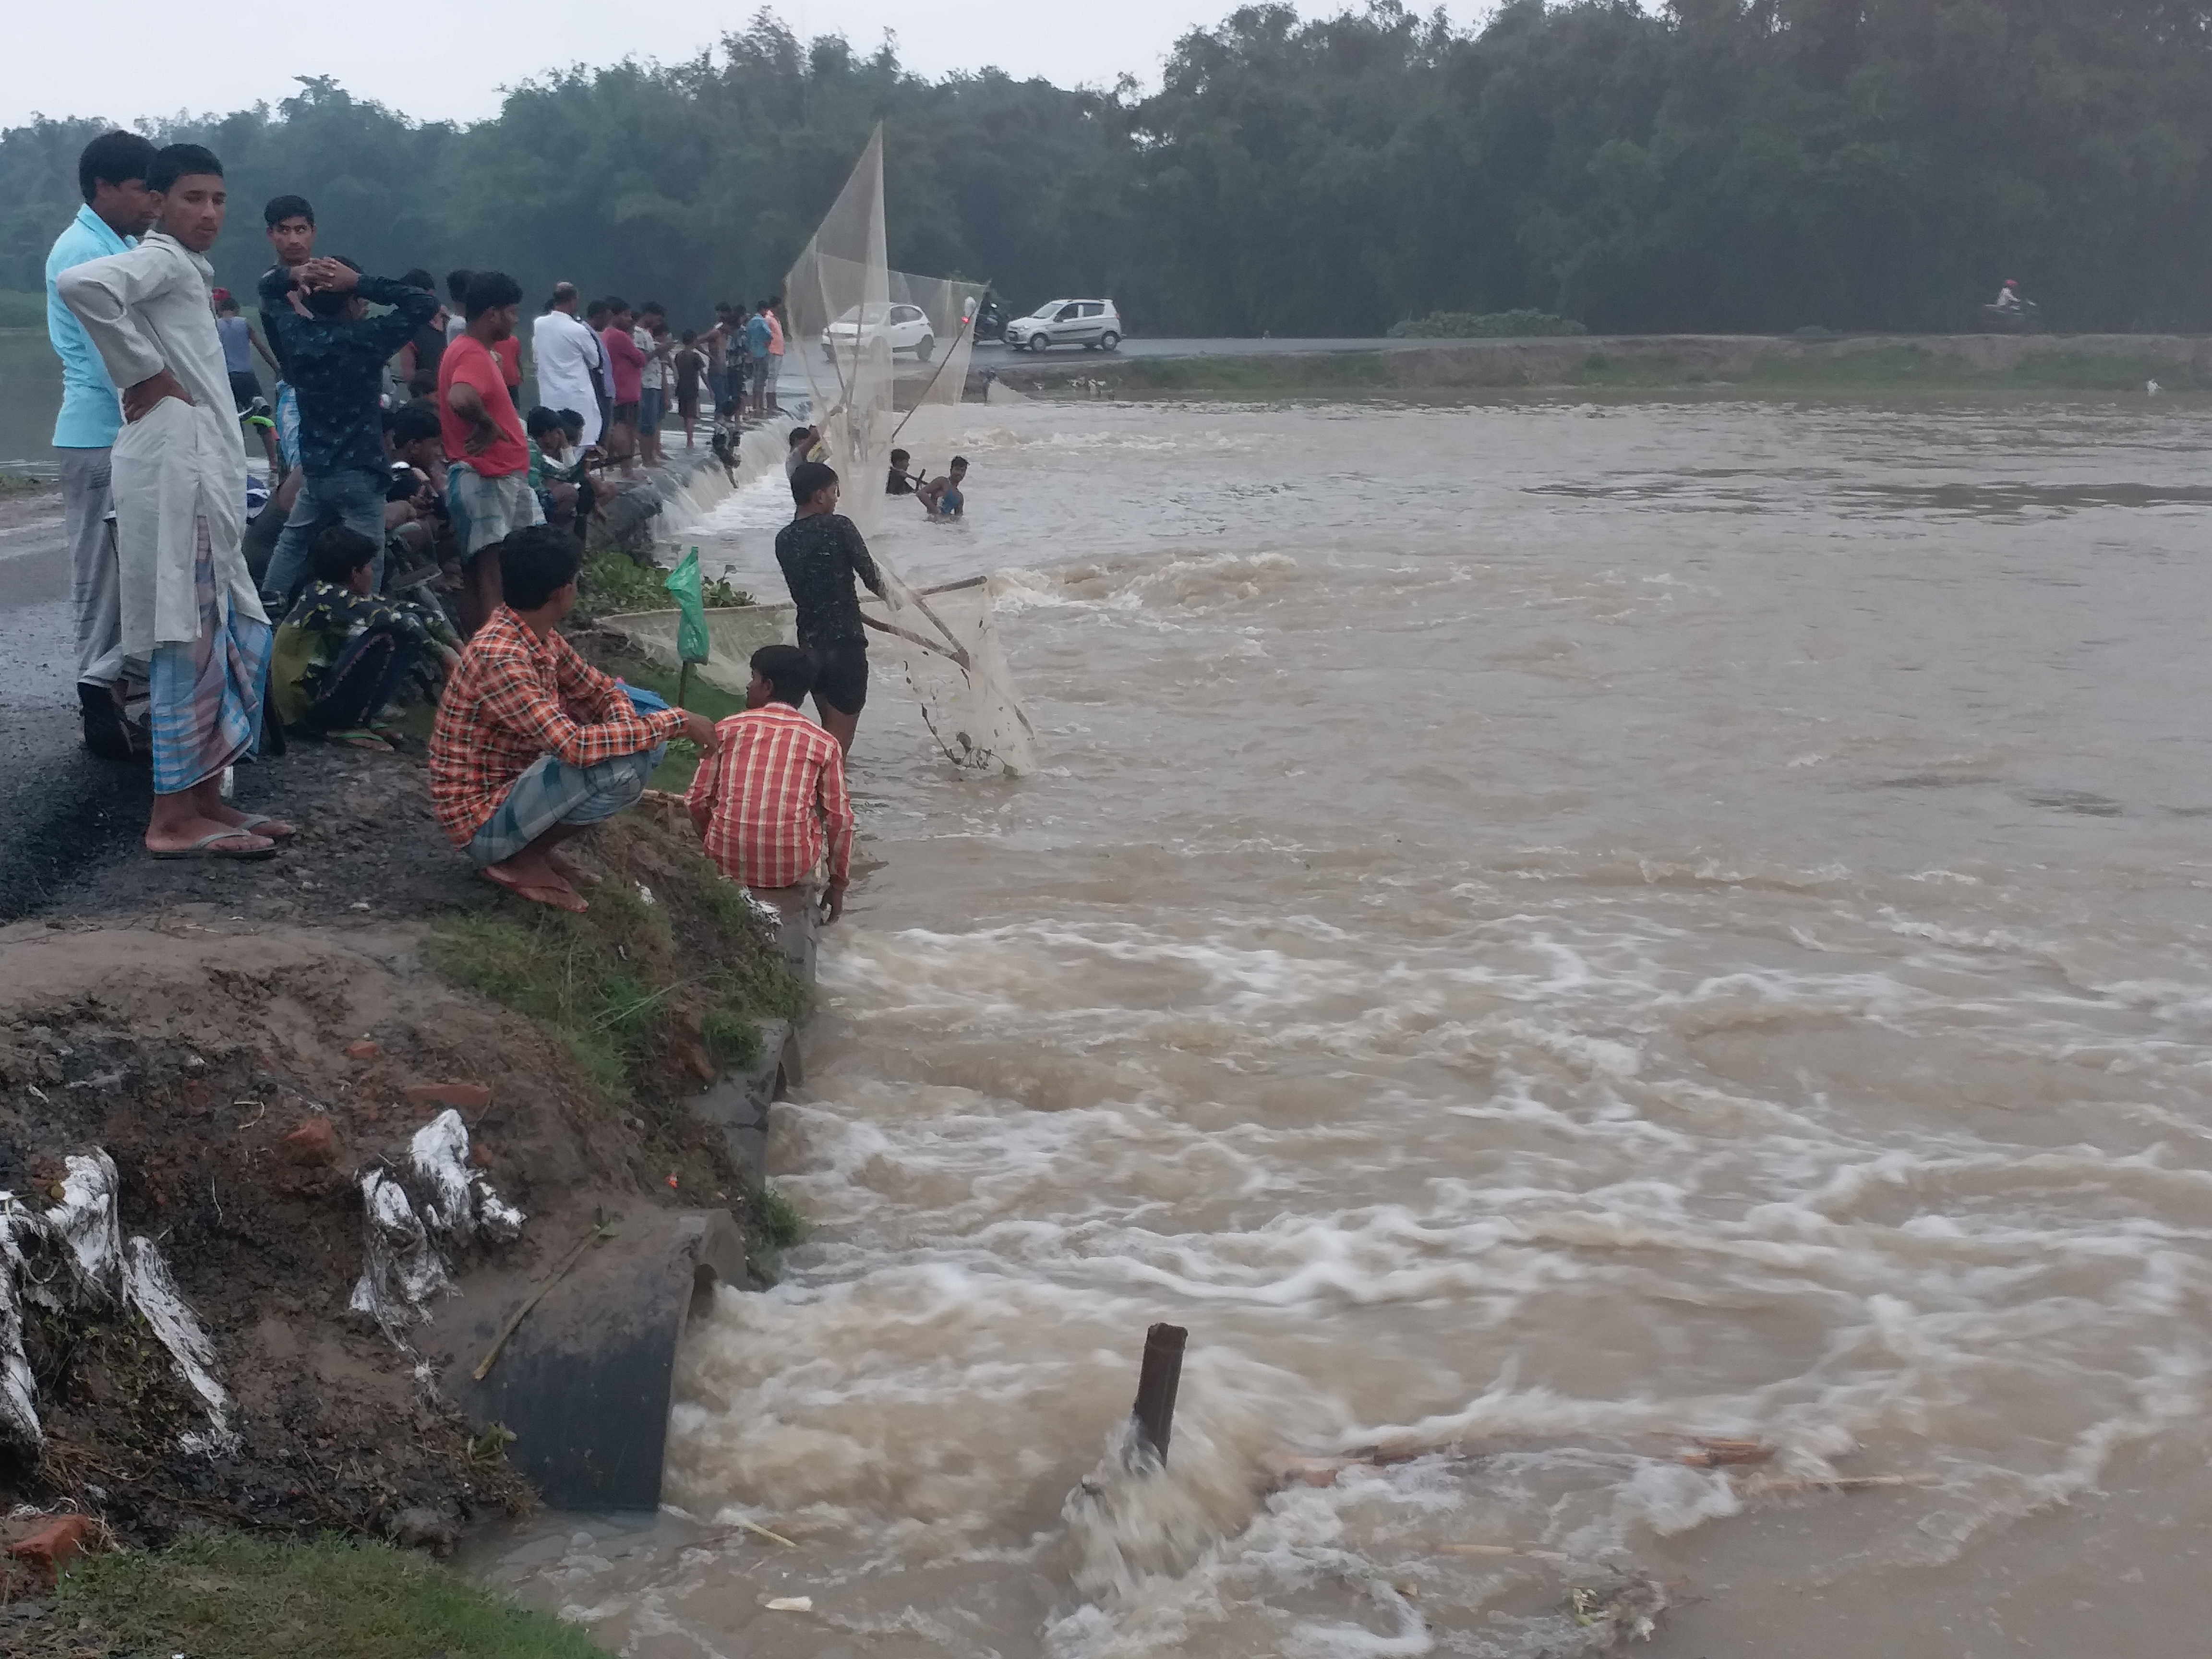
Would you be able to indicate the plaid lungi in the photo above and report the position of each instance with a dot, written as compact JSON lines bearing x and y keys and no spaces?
{"x":484,"y":510}
{"x":206,"y":693}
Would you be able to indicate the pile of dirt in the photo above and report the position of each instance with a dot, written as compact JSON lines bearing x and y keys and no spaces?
{"x":242,"y":1070}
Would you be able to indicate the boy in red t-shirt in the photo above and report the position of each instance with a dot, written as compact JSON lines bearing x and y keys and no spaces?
{"x":488,"y":491}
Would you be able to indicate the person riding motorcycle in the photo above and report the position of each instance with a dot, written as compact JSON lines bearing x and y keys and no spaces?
{"x":2009,"y":296}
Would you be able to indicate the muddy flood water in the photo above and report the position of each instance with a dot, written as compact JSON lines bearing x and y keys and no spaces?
{"x":1542,"y":930}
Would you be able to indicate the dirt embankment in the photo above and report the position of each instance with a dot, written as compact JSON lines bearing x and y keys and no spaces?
{"x":244,"y":1040}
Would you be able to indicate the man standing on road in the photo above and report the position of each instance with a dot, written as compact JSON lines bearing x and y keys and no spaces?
{"x":335,"y":357}
{"x":488,"y":491}
{"x":188,"y":602}
{"x":568,"y":358}
{"x":117,"y":207}
{"x":820,"y":552}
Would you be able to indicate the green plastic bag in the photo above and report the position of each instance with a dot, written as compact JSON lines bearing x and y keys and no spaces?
{"x":683,"y":581}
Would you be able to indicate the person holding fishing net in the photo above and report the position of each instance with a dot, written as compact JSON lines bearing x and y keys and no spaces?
{"x":822,"y":553}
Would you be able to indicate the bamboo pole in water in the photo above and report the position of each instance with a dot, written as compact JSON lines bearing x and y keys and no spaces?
{"x":1156,"y":1387}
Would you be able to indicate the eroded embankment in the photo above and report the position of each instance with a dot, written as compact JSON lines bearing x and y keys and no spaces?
{"x":2038,"y":363}
{"x":244,"y":1071}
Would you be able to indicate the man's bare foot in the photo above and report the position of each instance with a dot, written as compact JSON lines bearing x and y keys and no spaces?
{"x":532,"y":877}
{"x":573,"y":873}
{"x":261,"y":824}
{"x":203,"y":838}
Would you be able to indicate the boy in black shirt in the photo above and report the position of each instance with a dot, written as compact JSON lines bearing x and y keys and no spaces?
{"x":821,"y":551}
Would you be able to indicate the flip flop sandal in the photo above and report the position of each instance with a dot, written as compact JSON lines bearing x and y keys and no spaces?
{"x":252,"y":824}
{"x":561,"y":898}
{"x":358,"y":739}
{"x":574,"y":874}
{"x":204,"y":847}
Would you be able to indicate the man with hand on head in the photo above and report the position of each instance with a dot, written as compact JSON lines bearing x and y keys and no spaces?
{"x":770,"y":801}
{"x":533,"y":745}
{"x":188,"y":602}
{"x":289,"y":223}
{"x":488,"y":493}
{"x":821,"y":553}
{"x":334,"y":357}
{"x":117,"y":208}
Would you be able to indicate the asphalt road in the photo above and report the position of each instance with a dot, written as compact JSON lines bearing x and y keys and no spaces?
{"x":64,"y":814}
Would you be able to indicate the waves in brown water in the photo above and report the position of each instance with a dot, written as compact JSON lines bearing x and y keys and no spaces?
{"x":1541,"y":928}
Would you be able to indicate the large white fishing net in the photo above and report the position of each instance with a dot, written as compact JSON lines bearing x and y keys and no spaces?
{"x":881,"y":380}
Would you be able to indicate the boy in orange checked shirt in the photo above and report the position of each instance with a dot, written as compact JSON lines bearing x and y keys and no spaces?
{"x":770,"y":800}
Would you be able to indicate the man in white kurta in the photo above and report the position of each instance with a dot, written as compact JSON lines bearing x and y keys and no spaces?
{"x":189,"y":603}
{"x":565,"y":352}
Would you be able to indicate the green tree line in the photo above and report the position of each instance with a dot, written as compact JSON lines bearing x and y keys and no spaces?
{"x":1717,"y":164}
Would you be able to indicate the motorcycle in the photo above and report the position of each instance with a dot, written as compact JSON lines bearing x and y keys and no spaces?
{"x":990,"y":320}
{"x":2022,"y":318}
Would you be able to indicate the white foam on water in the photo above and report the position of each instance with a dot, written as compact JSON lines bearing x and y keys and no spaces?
{"x":1425,"y":972}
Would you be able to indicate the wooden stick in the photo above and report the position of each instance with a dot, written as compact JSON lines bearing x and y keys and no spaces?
{"x":599,"y":1230}
{"x":952,"y":587}
{"x":960,"y":657}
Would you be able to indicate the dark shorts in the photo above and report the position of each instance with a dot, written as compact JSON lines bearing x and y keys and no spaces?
{"x":841,"y":674}
{"x":623,"y":415}
{"x":244,"y":389}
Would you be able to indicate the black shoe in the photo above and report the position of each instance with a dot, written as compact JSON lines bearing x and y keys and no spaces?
{"x":104,"y":733}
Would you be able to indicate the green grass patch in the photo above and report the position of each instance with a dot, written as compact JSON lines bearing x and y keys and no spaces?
{"x":334,"y":1599}
{"x":21,"y":310}
{"x":631,"y":986}
{"x":778,"y":1218}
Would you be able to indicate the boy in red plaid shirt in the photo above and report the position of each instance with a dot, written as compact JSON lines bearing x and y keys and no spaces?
{"x":770,"y":801}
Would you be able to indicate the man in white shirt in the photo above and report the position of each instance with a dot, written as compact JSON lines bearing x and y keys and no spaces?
{"x":568,"y":355}
{"x":179,"y":468}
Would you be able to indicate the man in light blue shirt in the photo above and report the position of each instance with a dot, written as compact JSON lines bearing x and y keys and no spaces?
{"x":117,"y":208}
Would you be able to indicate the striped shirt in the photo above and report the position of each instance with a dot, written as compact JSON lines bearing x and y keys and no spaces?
{"x":770,"y":800}
{"x":513,"y":698}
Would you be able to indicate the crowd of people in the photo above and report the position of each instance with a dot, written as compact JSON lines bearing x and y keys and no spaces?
{"x":420,"y":526}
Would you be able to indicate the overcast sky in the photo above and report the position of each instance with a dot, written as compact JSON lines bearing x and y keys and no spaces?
{"x":126,"y":60}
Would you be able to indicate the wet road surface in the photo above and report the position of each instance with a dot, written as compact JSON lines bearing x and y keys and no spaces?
{"x":64,"y":813}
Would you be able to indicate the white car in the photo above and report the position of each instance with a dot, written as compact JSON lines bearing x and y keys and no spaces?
{"x":897,"y":327}
{"x":1093,"y":324}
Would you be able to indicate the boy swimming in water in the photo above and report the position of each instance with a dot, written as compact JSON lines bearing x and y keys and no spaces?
{"x":941,"y":497}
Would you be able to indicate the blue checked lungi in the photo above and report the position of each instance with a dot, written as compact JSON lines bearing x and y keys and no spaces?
{"x":287,"y":424}
{"x":206,"y":693}
{"x":550,"y":792}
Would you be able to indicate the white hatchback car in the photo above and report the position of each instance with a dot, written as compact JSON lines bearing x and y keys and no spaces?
{"x":897,"y":327}
{"x":1090,"y":323}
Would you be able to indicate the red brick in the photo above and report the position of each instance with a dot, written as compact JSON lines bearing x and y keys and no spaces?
{"x":311,"y":1143}
{"x":464,"y":1096}
{"x":362,"y":1050}
{"x":51,"y":1547}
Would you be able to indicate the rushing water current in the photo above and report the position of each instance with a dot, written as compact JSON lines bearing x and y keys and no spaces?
{"x":1542,"y":930}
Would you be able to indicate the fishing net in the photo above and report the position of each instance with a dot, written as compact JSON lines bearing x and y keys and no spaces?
{"x":879,"y":380}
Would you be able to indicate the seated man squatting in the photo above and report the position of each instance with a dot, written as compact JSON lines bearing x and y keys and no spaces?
{"x":533,"y":745}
